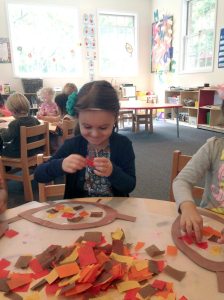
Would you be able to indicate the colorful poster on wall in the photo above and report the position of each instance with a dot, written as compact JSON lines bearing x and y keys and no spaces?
{"x":162,"y":51}
{"x":5,"y":54}
{"x":221,"y":49}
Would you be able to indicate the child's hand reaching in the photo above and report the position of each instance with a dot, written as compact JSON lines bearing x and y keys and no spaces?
{"x":103,"y":166}
{"x":191,"y":220}
{"x":73,"y":163}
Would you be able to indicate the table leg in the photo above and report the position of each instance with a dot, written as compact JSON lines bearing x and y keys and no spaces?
{"x":177,"y":117}
{"x":151,"y":120}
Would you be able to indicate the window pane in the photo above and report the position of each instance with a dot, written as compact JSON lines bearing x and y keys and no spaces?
{"x":45,"y":40}
{"x":199,"y":41}
{"x":117,"y":45}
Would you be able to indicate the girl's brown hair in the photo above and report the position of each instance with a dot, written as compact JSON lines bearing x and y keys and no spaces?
{"x":98,"y":95}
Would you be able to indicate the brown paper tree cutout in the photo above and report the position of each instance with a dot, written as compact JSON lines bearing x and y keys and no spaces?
{"x":108,"y":217}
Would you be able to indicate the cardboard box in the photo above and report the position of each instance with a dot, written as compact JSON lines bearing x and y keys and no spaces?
{"x":192,"y":120}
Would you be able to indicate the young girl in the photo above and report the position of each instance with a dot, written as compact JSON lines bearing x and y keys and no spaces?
{"x":98,"y":162}
{"x":207,"y":162}
{"x":19,"y":106}
{"x":48,"y":108}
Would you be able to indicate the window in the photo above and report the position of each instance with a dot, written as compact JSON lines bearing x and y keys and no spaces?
{"x":199,"y":35}
{"x":44,"y":40}
{"x":117,"y":44}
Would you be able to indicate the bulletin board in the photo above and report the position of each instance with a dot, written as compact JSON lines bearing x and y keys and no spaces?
{"x":162,"y":50}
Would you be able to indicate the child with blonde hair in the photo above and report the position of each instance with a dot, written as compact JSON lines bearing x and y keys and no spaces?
{"x":19,"y":106}
{"x":48,"y":108}
{"x":69,"y":88}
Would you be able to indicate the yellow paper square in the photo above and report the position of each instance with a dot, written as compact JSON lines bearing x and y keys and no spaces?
{"x":127,"y":285}
{"x":117,"y":234}
{"x":52,"y":276}
{"x":71,"y":258}
{"x":33,"y":296}
{"x":121,"y":258}
{"x":141,"y":264}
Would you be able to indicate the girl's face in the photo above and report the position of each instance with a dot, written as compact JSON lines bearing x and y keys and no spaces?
{"x":46,"y":97}
{"x":96,"y":126}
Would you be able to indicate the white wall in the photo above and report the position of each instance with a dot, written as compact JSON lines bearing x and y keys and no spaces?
{"x":141,"y":7}
{"x":160,"y":83}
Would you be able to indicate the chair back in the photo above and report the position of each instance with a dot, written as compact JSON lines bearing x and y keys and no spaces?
{"x":179,"y":162}
{"x":68,"y":127}
{"x":47,"y":190}
{"x":34,"y":139}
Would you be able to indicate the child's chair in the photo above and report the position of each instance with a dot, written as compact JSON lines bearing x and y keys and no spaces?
{"x":178,"y":163}
{"x":33,"y":140}
{"x":47,"y":190}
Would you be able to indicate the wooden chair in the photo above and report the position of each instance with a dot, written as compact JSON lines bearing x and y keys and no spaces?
{"x":47,"y":190}
{"x":125,"y":115}
{"x":178,"y":163}
{"x":34,"y":139}
{"x":68,"y":127}
{"x":142,"y":117}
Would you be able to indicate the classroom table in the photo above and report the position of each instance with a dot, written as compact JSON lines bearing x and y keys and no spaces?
{"x":154,"y":219}
{"x":138,"y":105}
{"x":4,"y":122}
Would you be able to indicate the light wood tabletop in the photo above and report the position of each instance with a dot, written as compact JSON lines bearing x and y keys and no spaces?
{"x":154,"y":219}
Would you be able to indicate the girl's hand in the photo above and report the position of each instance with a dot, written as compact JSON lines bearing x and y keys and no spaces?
{"x":103,"y":166}
{"x":73,"y":163}
{"x":191,"y":220}
{"x":221,"y":240}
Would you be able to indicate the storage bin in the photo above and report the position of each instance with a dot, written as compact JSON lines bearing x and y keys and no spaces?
{"x":192,"y":120}
{"x":32,"y":85}
{"x":173,"y":100}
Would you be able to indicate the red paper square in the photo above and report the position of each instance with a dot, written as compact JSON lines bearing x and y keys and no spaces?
{"x":4,"y":263}
{"x":4,"y":273}
{"x":11,"y":233}
{"x":86,"y":256}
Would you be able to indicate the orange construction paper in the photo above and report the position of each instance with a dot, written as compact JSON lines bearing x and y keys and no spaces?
{"x":139,"y":245}
{"x":208,"y":230}
{"x":79,"y":288}
{"x":83,"y":213}
{"x":17,"y":280}
{"x":91,"y":275}
{"x":67,"y":270}
{"x":139,"y":275}
{"x":171,"y":250}
{"x":102,"y":258}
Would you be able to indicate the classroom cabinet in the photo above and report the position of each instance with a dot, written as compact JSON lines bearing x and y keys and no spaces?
{"x":201,"y":108}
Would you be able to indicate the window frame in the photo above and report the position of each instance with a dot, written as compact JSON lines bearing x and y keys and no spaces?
{"x":183,"y":41}
{"x":136,"y":32}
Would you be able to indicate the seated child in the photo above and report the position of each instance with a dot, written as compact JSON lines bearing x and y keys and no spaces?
{"x":99,"y":162}
{"x":19,"y":107}
{"x":3,"y":197}
{"x":48,"y":108}
{"x":208,"y":163}
{"x":69,"y":88}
